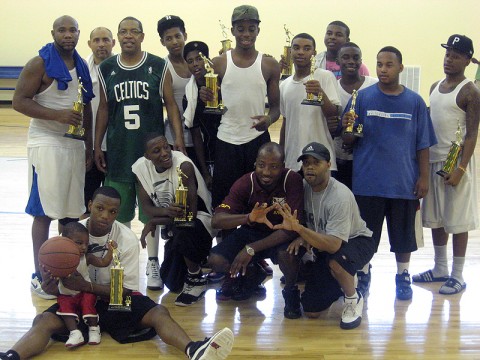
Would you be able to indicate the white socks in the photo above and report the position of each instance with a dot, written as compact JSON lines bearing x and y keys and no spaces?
{"x":457,"y":268}
{"x":153,"y":243}
{"x":441,"y":262}
{"x":401,"y":267}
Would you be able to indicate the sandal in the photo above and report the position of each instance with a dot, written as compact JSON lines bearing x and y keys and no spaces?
{"x":427,"y":276}
{"x":452,"y":286}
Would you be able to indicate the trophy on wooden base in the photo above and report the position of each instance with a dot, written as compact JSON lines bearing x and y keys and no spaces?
{"x":287,"y":55}
{"x":181,"y":192}
{"x":226,"y":43}
{"x":358,"y":132}
{"x":77,"y":132}
{"x":453,"y":153}
{"x":211,"y":80}
{"x":116,"y":287}
{"x":311,"y":98}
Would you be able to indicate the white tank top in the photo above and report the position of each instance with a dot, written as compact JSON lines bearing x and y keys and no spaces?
{"x":49,"y":132}
{"x":243,"y":93}
{"x":445,"y":115}
{"x":178,"y":84}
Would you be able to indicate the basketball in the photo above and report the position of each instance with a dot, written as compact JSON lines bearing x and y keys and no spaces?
{"x":59,"y":255}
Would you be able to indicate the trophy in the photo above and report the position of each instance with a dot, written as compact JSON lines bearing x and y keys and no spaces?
{"x":311,"y":100}
{"x":116,"y":287}
{"x":453,"y":153}
{"x":226,"y":43}
{"x":186,"y":220}
{"x":214,"y":106}
{"x":349,"y":129}
{"x":287,"y":55}
{"x":77,"y":132}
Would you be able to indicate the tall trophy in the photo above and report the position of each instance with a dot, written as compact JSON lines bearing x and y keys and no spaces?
{"x":77,"y":132}
{"x":116,"y":287}
{"x":453,"y":153}
{"x":211,"y":79}
{"x":358,"y":132}
{"x":287,"y":54}
{"x":186,"y":219}
{"x":311,"y":98}
{"x":226,"y":43}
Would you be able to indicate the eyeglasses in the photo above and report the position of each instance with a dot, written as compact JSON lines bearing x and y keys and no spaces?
{"x":134,"y":32}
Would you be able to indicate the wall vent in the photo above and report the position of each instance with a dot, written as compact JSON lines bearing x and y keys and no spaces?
{"x":410,"y":77}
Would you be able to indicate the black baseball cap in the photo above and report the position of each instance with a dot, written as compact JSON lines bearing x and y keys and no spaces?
{"x":317,"y":150}
{"x":460,"y":43}
{"x":195,"y":45}
{"x":168,"y":22}
{"x":245,"y":12}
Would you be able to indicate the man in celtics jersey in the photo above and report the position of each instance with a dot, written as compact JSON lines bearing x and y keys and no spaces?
{"x":132,"y":89}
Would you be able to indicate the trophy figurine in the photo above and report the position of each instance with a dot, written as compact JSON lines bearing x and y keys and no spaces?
{"x":311,"y":98}
{"x":116,"y":287}
{"x":77,"y":132}
{"x":349,"y":129}
{"x":226,"y":43}
{"x":453,"y":153}
{"x":214,"y":106}
{"x":287,"y":54}
{"x":186,"y":220}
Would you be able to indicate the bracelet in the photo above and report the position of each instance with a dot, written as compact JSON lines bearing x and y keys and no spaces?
{"x":462,"y":168}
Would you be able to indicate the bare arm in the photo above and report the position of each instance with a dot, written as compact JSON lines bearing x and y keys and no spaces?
{"x":200,"y":152}
{"x":282,"y":134}
{"x":421,"y":187}
{"x":100,"y":130}
{"x":173,"y":113}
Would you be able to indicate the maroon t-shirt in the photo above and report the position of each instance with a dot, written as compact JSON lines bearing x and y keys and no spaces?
{"x":247,"y":191}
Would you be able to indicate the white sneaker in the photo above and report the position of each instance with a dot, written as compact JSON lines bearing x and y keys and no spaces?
{"x":352,"y":312}
{"x":36,"y":288}
{"x":154,"y":281}
{"x":75,"y":339}
{"x":218,"y":347}
{"x":193,"y":290}
{"x":94,"y":335}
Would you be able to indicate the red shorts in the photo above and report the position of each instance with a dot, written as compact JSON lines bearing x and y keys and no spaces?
{"x":82,"y":304}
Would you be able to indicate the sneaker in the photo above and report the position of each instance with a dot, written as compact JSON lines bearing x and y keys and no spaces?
{"x":227,"y":289}
{"x":36,"y":288}
{"x":154,"y":281}
{"x":193,"y":290}
{"x":94,"y":335}
{"x":218,"y":346}
{"x":364,"y":280}
{"x":215,"y":277}
{"x":404,"y":290}
{"x":75,"y":339}
{"x":352,"y":312}
{"x":292,"y":308}
{"x":267,"y":268}
{"x":9,"y":355}
{"x":249,"y":283}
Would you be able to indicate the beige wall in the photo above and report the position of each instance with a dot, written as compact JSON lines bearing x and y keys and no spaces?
{"x":416,"y":27}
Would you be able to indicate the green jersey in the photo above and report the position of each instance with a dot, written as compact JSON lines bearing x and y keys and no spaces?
{"x":134,"y":98}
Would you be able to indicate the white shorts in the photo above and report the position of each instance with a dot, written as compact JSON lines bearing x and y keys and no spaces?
{"x":452,"y":207}
{"x":56,"y":179}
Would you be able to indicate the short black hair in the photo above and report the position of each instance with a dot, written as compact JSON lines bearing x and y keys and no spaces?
{"x":169,"y":22}
{"x":392,"y":50}
{"x":133,"y":19}
{"x":73,"y":227}
{"x":343,"y":25}
{"x":272,"y":147}
{"x":305,"y":36}
{"x":150,"y":136}
{"x":350,"y":44}
{"x":107,"y":191}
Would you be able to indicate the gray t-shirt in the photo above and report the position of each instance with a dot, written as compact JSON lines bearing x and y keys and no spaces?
{"x":334,"y":211}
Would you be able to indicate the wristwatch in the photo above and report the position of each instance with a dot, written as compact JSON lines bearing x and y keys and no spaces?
{"x":250,"y":250}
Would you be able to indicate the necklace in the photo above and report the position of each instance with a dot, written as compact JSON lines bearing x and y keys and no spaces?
{"x":315,"y":222}
{"x":104,"y":249}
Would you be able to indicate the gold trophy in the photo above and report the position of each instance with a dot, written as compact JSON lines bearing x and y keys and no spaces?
{"x":226,"y":43}
{"x":77,"y":132}
{"x":186,"y":220}
{"x":349,"y":129}
{"x":214,"y":106}
{"x":311,"y":98}
{"x":453,"y":153}
{"x":116,"y":287}
{"x":287,"y":55}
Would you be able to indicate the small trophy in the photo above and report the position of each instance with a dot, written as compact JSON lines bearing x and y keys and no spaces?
{"x":214,"y":106}
{"x":186,"y":220}
{"x":116,"y":287}
{"x":453,"y":153}
{"x":311,"y":98}
{"x":77,"y":132}
{"x":349,"y":129}
{"x":287,"y":55}
{"x":226,"y":43}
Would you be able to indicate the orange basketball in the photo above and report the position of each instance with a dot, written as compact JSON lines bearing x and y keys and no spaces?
{"x":59,"y":255}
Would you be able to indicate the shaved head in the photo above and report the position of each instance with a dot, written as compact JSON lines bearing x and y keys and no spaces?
{"x":63,"y":19}
{"x":101,"y":28}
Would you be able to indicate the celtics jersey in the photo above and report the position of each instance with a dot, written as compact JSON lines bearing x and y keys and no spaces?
{"x":134,"y":98}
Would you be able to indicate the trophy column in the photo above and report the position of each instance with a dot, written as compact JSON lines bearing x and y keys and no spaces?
{"x":211,"y":80}
{"x":287,"y":55}
{"x":453,"y":153}
{"x":181,"y":192}
{"x":226,"y":43}
{"x":349,"y":129}
{"x":77,"y":132}
{"x":116,"y":287}
{"x":311,"y":98}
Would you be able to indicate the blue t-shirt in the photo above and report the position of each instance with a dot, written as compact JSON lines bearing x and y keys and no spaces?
{"x":395,"y":127}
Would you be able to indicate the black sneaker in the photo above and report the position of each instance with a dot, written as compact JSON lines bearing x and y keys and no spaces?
{"x":193,"y":290}
{"x":249,"y":284}
{"x":292,"y":308}
{"x":364,"y":281}
{"x":403,"y":290}
{"x":229,"y":286}
{"x":218,"y":346}
{"x":9,"y":355}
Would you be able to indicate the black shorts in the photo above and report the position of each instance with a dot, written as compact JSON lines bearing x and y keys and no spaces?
{"x":400,"y":215}
{"x":193,"y":243}
{"x":321,"y":288}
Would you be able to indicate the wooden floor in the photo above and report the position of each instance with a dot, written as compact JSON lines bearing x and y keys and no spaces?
{"x":431,"y":326}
